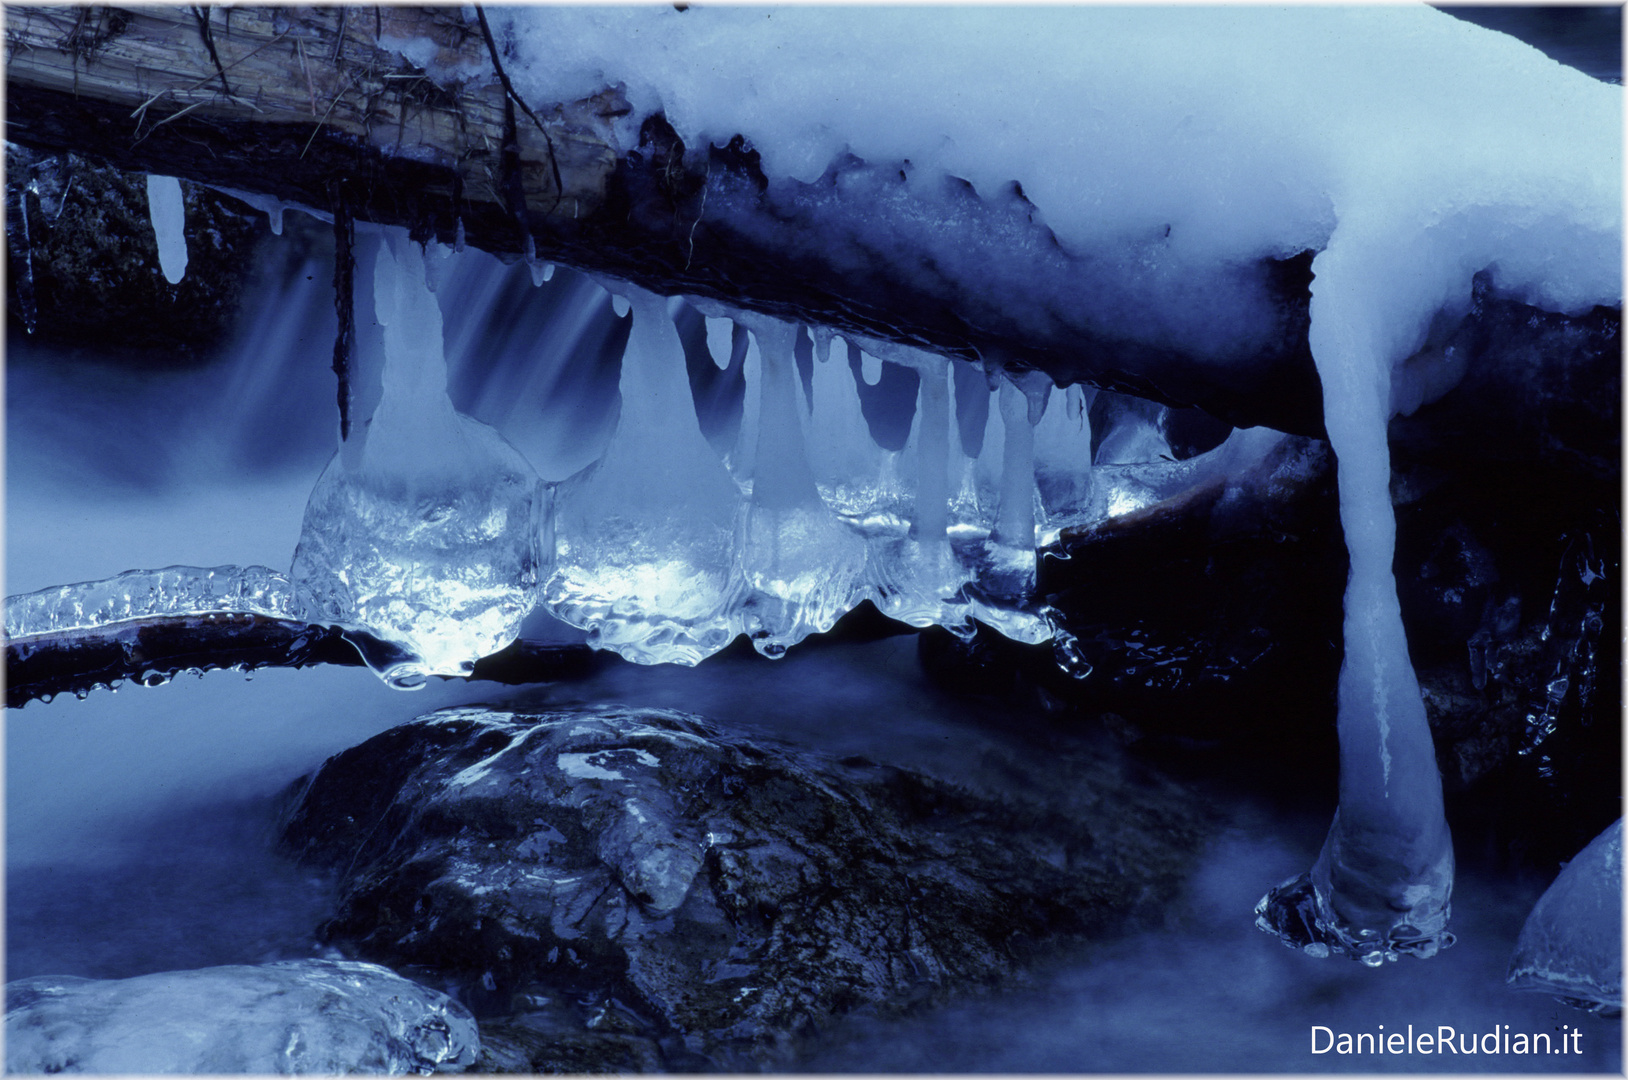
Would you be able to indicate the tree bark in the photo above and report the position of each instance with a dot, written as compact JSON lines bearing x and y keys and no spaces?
{"x":313,"y":106}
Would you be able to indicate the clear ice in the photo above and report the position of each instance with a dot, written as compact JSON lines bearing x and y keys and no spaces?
{"x":800,"y":562}
{"x":644,"y":557}
{"x":1571,"y":945}
{"x":427,"y":529}
{"x":139,"y":594}
{"x":167,"y":211}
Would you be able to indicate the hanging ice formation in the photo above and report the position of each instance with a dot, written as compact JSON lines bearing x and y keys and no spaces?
{"x":645,"y":535}
{"x":666,"y":552}
{"x":427,"y":529}
{"x":167,"y":211}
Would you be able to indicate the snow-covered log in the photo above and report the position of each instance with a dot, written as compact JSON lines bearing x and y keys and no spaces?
{"x":400,"y":116}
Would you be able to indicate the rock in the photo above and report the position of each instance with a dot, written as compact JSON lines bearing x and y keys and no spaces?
{"x":605,"y":881}
{"x":83,"y":260}
{"x":298,"y":1016}
{"x":1571,"y":945}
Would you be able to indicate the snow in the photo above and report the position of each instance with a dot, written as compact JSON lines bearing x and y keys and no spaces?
{"x":167,"y":212}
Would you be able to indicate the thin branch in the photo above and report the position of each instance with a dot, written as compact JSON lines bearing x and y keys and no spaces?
{"x":344,"y":302}
{"x":514,"y":95}
{"x":154,"y":650}
{"x":201,"y":13}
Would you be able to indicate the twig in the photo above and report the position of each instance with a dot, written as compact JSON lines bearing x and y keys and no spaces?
{"x":167,"y":119}
{"x":201,"y":13}
{"x":344,"y":305}
{"x":699,"y":214}
{"x":325,"y":116}
{"x":511,"y":93}
{"x":310,"y":87}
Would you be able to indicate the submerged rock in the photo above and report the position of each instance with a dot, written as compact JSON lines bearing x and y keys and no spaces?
{"x":1571,"y":945}
{"x":298,"y":1016}
{"x":632,"y":888}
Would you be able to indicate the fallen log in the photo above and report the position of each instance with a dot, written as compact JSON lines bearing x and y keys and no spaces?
{"x":320,"y":107}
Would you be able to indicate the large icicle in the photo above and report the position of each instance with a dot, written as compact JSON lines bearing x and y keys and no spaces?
{"x":645,"y":535}
{"x":1002,"y":564}
{"x":913,"y":570}
{"x":1382,"y":885}
{"x":167,"y":211}
{"x":847,"y":462}
{"x":425,"y":529}
{"x":1063,"y":470}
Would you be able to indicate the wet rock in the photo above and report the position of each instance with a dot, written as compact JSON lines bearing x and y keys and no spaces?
{"x":1571,"y":945}
{"x":616,"y":887}
{"x":298,"y":1016}
{"x":82,"y":260}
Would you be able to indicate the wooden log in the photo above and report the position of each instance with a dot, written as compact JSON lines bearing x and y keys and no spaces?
{"x":317,"y":106}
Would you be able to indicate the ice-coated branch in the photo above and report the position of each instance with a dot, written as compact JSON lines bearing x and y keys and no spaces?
{"x":156,"y":649}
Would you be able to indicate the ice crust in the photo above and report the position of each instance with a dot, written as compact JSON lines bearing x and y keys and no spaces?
{"x":323,"y":1017}
{"x":138,"y":594}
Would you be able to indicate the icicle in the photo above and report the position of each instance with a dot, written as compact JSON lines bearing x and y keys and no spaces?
{"x":1015,"y":525}
{"x":743,"y":458}
{"x":458,"y":237}
{"x":621,"y":305}
{"x":167,"y":210}
{"x":1383,"y":882}
{"x":720,"y":341}
{"x":17,"y":227}
{"x":870,"y":368}
{"x":426,"y":534}
{"x":847,"y":462}
{"x":1003,"y":566}
{"x":1063,"y":468}
{"x":802,"y":564}
{"x":823,"y":336}
{"x":933,"y":454}
{"x":645,"y":535}
{"x":541,"y":272}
